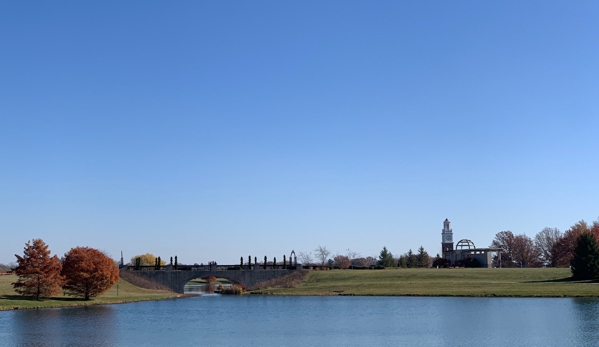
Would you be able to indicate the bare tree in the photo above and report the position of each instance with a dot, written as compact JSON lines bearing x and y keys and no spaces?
{"x":505,"y":241}
{"x":305,"y":258}
{"x":524,"y":251}
{"x":352,"y":254}
{"x":545,"y":241}
{"x":322,"y":254}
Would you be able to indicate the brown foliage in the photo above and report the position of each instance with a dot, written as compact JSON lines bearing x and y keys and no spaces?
{"x":88,"y":272}
{"x":516,"y":250}
{"x":39,"y":274}
{"x":234,"y":289}
{"x":563,"y":249}
{"x":342,"y":261}
{"x":525,"y":253}
{"x":505,"y":241}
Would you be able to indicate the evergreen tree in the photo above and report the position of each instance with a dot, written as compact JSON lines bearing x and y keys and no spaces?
{"x":422,"y":258}
{"x":386,"y":258}
{"x":411,"y":260}
{"x":403,"y":263}
{"x":274,"y":262}
{"x":171,"y":261}
{"x":176,"y":263}
{"x":585,"y":263}
{"x":284,"y":262}
{"x":264,"y":262}
{"x":241,"y":261}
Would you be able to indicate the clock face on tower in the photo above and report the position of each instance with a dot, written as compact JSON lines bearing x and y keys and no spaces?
{"x":447,"y":238}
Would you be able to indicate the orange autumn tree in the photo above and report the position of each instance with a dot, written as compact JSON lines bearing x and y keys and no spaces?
{"x":39,"y":274}
{"x":88,"y":272}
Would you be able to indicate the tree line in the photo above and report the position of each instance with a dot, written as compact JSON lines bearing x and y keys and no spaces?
{"x":352,"y":259}
{"x":549,"y":248}
{"x":82,"y":272}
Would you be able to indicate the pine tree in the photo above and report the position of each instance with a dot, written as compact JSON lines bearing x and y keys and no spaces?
{"x":264,"y":262}
{"x":422,"y":258}
{"x":176,"y":263}
{"x":284,"y":262}
{"x":585,"y":263}
{"x":38,"y":273}
{"x":386,"y":258}
{"x":411,"y":259}
{"x":241,"y":262}
{"x":402,"y":262}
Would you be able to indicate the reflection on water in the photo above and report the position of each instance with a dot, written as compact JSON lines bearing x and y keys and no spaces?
{"x":310,"y":321}
{"x":586,"y":312}
{"x":83,"y":326}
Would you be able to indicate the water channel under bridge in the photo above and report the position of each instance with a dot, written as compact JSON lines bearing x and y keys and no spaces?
{"x":175,"y":280}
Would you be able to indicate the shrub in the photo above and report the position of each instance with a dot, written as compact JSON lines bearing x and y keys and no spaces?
{"x":468,"y":262}
{"x":440,"y":262}
{"x":235,"y":289}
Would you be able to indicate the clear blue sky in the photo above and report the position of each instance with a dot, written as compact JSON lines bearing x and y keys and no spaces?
{"x":212,"y":130}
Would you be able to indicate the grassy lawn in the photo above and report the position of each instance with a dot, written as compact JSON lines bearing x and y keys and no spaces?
{"x":127,"y":292}
{"x":443,"y":282}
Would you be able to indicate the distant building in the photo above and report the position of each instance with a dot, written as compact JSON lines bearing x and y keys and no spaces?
{"x":464,"y":249}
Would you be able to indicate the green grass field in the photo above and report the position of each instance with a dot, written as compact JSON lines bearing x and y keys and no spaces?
{"x":443,"y":282}
{"x":10,"y":300}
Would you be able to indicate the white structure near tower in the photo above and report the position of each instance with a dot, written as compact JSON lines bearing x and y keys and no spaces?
{"x":465,"y":250}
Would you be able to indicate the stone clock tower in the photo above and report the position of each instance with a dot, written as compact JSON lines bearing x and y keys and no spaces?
{"x":446,"y":238}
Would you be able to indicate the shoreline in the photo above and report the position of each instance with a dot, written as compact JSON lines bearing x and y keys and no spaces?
{"x":122,"y":293}
{"x":90,"y":303}
{"x":438,"y":295}
{"x":506,"y":283}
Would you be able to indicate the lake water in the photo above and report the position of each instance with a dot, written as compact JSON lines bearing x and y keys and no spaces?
{"x":215,"y":320}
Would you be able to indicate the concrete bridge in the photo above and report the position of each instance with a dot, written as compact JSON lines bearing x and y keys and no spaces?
{"x":175,"y":280}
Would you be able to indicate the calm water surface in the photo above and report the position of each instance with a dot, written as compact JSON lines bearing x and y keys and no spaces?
{"x":215,"y":320}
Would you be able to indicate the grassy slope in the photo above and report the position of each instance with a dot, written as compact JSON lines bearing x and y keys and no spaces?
{"x":127,"y":293}
{"x":442,"y":282}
